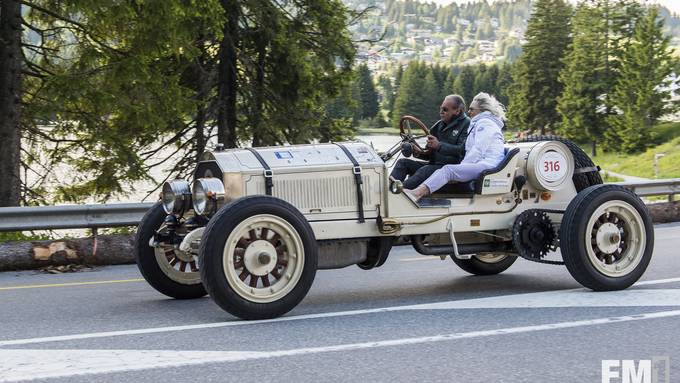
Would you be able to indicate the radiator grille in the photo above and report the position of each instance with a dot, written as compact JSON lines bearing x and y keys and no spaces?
{"x":325,"y":193}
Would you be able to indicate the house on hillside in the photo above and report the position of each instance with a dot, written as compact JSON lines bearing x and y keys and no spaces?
{"x":486,"y":46}
{"x":516,"y":33}
{"x":463,"y":22}
{"x":451,"y":41}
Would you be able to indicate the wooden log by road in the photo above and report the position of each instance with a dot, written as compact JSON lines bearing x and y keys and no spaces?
{"x":110,"y":250}
{"x":665,"y":212}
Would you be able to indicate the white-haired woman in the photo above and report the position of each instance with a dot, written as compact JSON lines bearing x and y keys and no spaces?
{"x":483,"y":148}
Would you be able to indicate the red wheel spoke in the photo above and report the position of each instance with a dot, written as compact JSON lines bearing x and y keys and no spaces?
{"x":242,"y":243}
{"x":265,"y":281}
{"x":275,"y":239}
{"x":183,"y":266}
{"x":253,"y":235}
{"x":280,"y":250}
{"x":244,"y":274}
{"x":238,"y":264}
{"x":173,"y":262}
{"x":264,"y":233}
{"x":253,"y":280}
{"x":282,"y":262}
{"x":276,"y":274}
{"x":194,"y":268}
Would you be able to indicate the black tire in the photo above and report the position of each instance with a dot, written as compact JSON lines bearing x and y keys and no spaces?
{"x":581,"y":160}
{"x":148,"y":264}
{"x":575,"y":234}
{"x":223,"y":226}
{"x":478,"y":267}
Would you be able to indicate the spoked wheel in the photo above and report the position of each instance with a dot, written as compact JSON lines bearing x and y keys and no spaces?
{"x":485,"y":264}
{"x":264,"y":258}
{"x":258,"y":257}
{"x":170,"y":271}
{"x":407,"y":125}
{"x":606,"y":237}
{"x":616,"y":229}
{"x":176,"y":264}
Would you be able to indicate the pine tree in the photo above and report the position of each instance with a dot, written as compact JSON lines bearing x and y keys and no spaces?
{"x":387,"y":92}
{"x":368,"y":97}
{"x":533,"y":104}
{"x":504,"y":83}
{"x":431,"y":100}
{"x":142,"y":77}
{"x":410,"y":100}
{"x":465,"y":83}
{"x":601,"y":29}
{"x":642,"y":92}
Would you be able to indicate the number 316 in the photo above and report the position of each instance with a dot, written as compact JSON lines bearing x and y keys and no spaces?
{"x":551,"y":166}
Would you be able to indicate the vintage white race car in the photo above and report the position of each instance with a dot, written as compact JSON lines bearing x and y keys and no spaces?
{"x":257,"y":224}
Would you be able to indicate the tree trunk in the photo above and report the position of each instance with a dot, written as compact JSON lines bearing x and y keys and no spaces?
{"x":10,"y":101}
{"x":227,"y":77}
{"x":110,"y":250}
{"x":259,"y":133}
{"x":593,"y":149}
{"x":200,"y":132}
{"x":203,"y":88}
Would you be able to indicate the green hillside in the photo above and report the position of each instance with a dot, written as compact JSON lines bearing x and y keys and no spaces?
{"x":667,"y":137}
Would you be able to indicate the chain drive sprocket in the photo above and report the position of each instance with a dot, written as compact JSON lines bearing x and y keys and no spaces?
{"x":533,"y":235}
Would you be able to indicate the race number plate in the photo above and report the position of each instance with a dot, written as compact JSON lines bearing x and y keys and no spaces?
{"x":552,"y":166}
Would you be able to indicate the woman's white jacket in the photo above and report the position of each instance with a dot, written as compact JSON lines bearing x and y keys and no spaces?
{"x":485,"y":141}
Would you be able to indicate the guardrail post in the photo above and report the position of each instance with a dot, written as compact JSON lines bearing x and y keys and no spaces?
{"x":94,"y":242}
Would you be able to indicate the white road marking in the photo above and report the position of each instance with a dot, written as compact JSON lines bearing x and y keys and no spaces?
{"x":423,"y":258}
{"x":17,"y":365}
{"x":576,"y":298}
{"x":568,"y":298}
{"x":657,"y":281}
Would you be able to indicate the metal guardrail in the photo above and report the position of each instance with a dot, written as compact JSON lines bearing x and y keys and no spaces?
{"x":667,"y":187}
{"x":71,"y":216}
{"x":129,"y":214}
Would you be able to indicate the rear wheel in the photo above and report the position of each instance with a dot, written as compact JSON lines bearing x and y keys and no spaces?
{"x":167,"y":269}
{"x":487,"y":264}
{"x":258,"y":257}
{"x":606,"y":238}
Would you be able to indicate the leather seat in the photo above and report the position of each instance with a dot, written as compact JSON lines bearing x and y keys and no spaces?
{"x":469,"y":189}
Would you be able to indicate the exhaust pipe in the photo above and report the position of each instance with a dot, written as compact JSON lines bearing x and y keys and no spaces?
{"x":471,"y":248}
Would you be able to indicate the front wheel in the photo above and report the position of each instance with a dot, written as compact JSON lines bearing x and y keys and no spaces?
{"x":258,"y":257}
{"x":486,"y":264}
{"x":606,"y":238}
{"x":167,"y":269}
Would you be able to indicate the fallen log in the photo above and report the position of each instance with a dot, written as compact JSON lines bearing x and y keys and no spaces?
{"x":665,"y":212}
{"x":99,"y":250}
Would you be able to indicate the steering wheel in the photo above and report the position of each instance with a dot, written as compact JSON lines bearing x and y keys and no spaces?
{"x":407,"y":135}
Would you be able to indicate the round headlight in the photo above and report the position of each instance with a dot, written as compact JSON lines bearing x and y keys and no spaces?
{"x":176,"y":196}
{"x":205,"y":194}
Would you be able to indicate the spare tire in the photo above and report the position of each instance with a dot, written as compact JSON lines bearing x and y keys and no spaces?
{"x":581,"y":160}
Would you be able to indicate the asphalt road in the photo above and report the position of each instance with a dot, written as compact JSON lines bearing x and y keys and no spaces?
{"x":414,"y":319}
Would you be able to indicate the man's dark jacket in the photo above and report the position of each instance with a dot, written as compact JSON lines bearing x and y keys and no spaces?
{"x":451,"y":138}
